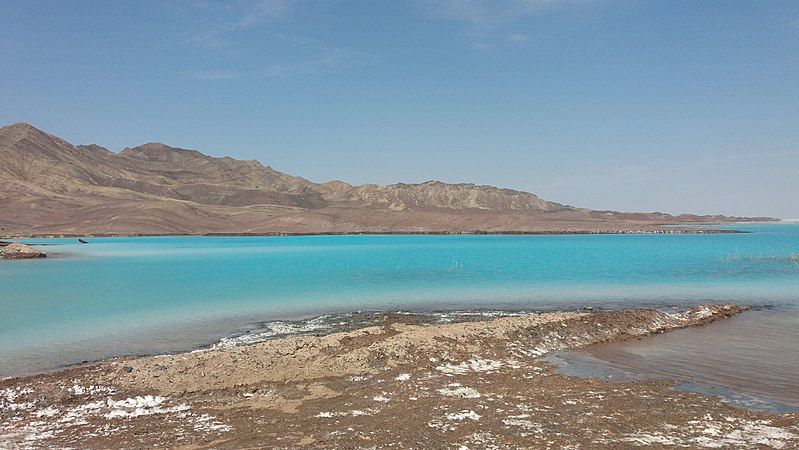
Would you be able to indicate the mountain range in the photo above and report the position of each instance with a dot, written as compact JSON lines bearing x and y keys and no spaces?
{"x":49,"y":186}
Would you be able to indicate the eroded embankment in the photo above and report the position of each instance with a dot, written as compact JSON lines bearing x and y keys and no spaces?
{"x":476,"y":384}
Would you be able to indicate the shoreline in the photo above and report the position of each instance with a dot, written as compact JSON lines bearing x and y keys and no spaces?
{"x":245,"y":331}
{"x":657,"y":229}
{"x":308,"y":324}
{"x":475,"y":383}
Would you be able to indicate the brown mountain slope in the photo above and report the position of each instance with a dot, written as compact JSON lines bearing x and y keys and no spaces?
{"x":47,"y":185}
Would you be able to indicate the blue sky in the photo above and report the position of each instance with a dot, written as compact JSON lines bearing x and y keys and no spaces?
{"x":678,"y":106}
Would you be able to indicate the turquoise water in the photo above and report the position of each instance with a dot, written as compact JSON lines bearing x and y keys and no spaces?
{"x":153,"y":294}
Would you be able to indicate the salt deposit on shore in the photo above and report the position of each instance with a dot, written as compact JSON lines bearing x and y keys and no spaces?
{"x":469,"y":385}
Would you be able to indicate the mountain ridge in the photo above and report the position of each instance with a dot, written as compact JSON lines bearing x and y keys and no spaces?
{"x":50,"y":185}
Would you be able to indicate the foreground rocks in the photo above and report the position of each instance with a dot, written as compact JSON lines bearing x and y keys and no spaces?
{"x":461,"y":385}
{"x":19,"y":251}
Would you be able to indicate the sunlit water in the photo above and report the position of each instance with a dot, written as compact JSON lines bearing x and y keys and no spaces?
{"x":158,"y":294}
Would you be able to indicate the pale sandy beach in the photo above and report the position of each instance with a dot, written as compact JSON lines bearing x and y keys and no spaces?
{"x":401,"y":384}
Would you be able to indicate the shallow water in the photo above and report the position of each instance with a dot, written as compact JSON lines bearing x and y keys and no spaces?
{"x":158,"y":294}
{"x":750,"y":360}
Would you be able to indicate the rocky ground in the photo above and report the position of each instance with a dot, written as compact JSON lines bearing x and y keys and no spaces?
{"x":399,"y":384}
{"x":19,"y":251}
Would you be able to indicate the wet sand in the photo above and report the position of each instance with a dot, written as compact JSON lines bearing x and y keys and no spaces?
{"x":401,"y":383}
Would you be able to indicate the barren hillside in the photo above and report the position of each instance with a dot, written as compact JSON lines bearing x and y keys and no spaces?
{"x":48,"y":185}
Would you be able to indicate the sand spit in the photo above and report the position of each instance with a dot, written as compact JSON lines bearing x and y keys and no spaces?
{"x":459,"y":385}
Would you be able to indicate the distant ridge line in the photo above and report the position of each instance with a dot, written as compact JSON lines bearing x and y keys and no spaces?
{"x":50,"y":186}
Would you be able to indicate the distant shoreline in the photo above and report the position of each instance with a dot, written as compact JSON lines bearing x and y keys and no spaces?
{"x":385,"y":233}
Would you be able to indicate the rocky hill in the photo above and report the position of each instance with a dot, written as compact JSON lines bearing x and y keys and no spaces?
{"x":51,"y":186}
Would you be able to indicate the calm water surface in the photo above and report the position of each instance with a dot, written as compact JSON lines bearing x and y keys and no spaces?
{"x":751,"y":360}
{"x":155,"y":294}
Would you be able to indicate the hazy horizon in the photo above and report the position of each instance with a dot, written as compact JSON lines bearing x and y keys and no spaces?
{"x":679,"y":107}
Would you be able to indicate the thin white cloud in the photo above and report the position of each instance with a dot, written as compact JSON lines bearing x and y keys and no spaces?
{"x":261,"y":11}
{"x":518,"y":38}
{"x":255,"y":13}
{"x":211,"y":75}
{"x":330,"y":62}
{"x":486,"y":22}
{"x":297,"y":39}
{"x":488,"y":13}
{"x":333,"y":61}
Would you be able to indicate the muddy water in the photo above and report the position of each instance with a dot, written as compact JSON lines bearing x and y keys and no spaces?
{"x":750,"y":360}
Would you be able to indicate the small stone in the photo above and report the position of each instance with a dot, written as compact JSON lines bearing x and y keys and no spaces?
{"x":127,"y":369}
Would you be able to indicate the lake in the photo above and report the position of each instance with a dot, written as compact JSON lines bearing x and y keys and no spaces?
{"x":145,"y":295}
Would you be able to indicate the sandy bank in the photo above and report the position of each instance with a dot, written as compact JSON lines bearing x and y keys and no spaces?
{"x":475,"y":384}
